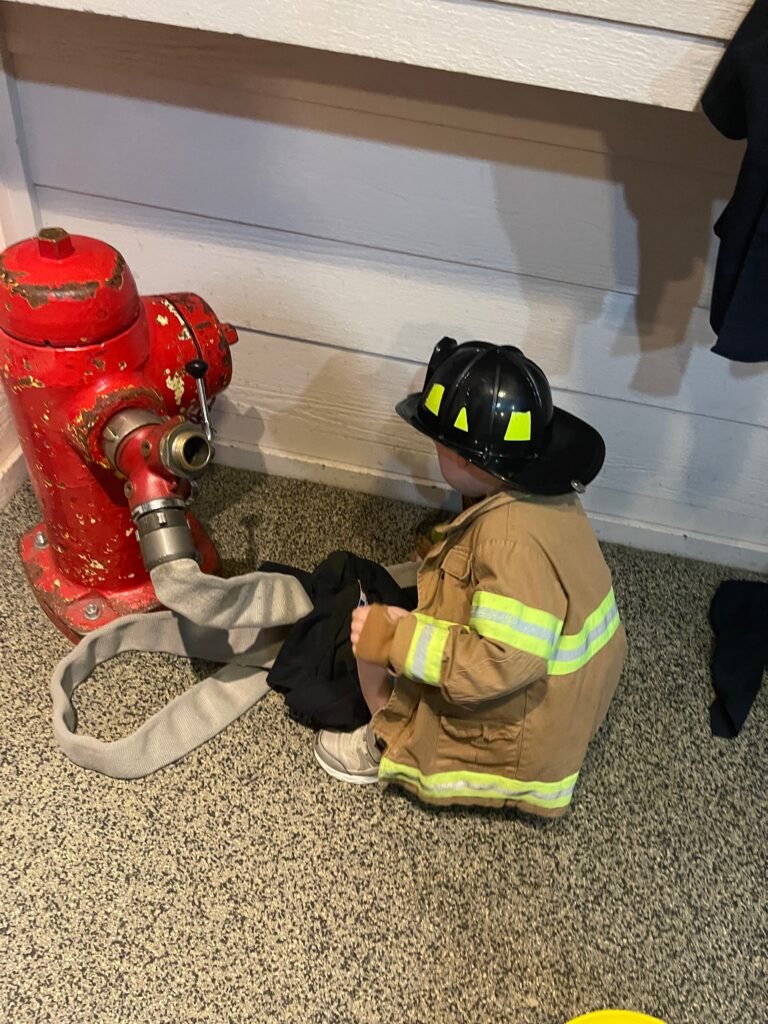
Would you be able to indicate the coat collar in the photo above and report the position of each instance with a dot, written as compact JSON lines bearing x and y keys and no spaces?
{"x":445,"y":530}
{"x":474,"y":512}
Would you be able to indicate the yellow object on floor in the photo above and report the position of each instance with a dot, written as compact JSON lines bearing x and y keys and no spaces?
{"x":615,"y":1017}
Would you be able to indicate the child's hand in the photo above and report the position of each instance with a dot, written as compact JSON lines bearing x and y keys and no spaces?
{"x":360,"y":615}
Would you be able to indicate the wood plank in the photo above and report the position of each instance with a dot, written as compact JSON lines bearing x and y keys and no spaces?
{"x":664,"y":469}
{"x":218,"y":72}
{"x":470,"y":198}
{"x":716,"y":19}
{"x":751,"y":556}
{"x":543,"y":48}
{"x":397,"y":306}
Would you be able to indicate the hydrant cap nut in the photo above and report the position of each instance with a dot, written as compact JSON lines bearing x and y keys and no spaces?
{"x":54,"y":243}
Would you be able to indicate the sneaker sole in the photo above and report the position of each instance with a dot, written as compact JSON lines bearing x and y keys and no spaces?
{"x":341,"y":776}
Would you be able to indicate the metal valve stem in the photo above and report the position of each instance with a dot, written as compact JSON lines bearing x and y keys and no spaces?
{"x":197,"y":369}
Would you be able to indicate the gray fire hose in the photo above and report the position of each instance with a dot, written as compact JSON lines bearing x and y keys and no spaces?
{"x":235,"y":621}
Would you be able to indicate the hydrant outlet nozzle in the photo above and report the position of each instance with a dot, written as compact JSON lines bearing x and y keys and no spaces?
{"x":185,"y":451}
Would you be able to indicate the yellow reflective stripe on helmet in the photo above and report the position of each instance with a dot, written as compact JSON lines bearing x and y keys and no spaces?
{"x":424,"y":660}
{"x":515,"y":624}
{"x":576,"y":649}
{"x":434,"y":398}
{"x":461,"y":420}
{"x":519,"y":427}
{"x":479,"y":785}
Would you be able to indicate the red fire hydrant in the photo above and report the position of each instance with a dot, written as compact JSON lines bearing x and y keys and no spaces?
{"x":108,"y":391}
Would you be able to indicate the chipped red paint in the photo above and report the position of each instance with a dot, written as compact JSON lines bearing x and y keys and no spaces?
{"x":77,"y":345}
{"x":65,"y":601}
{"x":139,"y":461}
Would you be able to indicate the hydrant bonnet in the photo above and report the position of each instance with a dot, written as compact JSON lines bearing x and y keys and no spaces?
{"x":65,"y":290}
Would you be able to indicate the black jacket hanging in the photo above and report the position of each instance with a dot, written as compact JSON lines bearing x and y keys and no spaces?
{"x":736,"y":102}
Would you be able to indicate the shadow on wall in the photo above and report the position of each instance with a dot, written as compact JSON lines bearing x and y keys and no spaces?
{"x":673,"y":171}
{"x":341,"y":402}
{"x":660,"y":259}
{"x":653,"y":234}
{"x":633,"y":261}
{"x":673,"y":208}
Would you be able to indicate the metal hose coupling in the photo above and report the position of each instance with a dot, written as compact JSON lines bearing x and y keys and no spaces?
{"x":160,"y":460}
{"x":163,"y":531}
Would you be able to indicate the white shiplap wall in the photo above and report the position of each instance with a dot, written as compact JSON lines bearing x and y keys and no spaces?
{"x":346,"y":213}
{"x":649,"y":51}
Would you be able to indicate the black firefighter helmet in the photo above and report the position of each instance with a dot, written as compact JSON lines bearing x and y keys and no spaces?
{"x":494,"y":407}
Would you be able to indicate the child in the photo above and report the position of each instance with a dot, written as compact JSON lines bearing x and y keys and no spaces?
{"x":506,"y":669}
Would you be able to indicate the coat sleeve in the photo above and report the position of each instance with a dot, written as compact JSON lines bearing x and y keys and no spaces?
{"x":517,"y":614}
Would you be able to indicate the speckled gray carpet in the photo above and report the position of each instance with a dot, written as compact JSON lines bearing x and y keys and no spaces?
{"x":243,"y":885}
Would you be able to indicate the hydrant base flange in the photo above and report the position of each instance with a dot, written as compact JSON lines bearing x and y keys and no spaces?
{"x":77,"y":610}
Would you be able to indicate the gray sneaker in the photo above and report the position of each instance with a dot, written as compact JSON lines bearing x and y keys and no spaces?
{"x":349,"y":756}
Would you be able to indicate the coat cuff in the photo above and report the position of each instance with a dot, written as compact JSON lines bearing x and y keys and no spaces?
{"x":405,"y":628}
{"x":376,"y":640}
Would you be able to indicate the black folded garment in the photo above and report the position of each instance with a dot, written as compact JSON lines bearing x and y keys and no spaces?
{"x":316,"y":671}
{"x":739,"y":618}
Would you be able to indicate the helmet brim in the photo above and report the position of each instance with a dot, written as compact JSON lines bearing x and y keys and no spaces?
{"x":572,"y":458}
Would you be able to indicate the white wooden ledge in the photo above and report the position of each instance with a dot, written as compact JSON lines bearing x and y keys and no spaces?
{"x":659,"y":52}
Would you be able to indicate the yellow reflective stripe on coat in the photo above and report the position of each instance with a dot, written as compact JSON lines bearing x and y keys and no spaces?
{"x":515,"y":624}
{"x":479,"y":785}
{"x":424,"y":661}
{"x":575,"y":650}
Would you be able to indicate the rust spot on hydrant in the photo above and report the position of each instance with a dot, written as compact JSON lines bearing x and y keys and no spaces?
{"x":82,"y":426}
{"x":10,"y":278}
{"x":38,"y":295}
{"x":115,"y":280}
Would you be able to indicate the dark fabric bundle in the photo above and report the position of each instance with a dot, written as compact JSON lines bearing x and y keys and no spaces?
{"x":316,"y":670}
{"x":739,"y":618}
